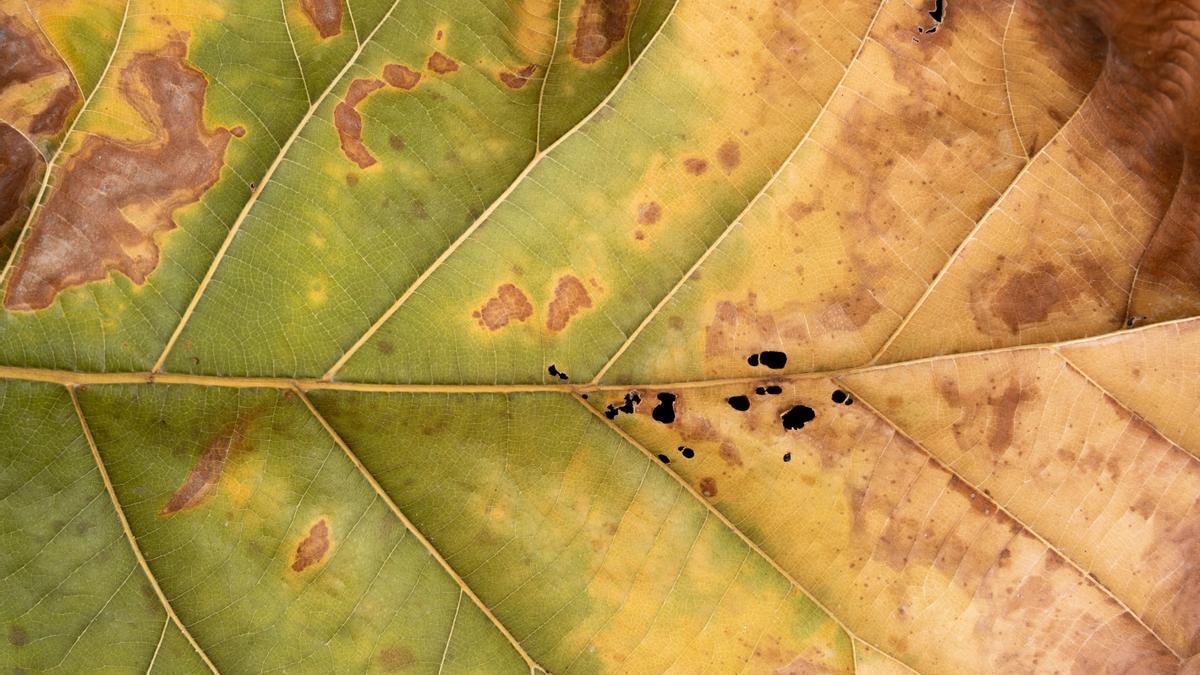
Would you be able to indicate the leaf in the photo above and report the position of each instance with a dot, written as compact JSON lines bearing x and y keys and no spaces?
{"x":599,"y":335}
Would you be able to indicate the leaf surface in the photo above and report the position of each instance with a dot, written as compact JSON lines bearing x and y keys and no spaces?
{"x":599,"y":336}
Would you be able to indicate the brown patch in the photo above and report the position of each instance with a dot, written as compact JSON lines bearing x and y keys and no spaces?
{"x":348,"y":122}
{"x":1004,"y":410}
{"x":1027,"y":297}
{"x":729,"y":155}
{"x":396,"y":658}
{"x":20,"y":167}
{"x":729,"y":453}
{"x":312,"y":549}
{"x":601,"y":25}
{"x":83,"y":232}
{"x":401,"y":77}
{"x":649,"y":213}
{"x":518,"y":79}
{"x":27,"y":57}
{"x":510,"y":304}
{"x":202,"y":479}
{"x":798,"y":210}
{"x":442,"y":64}
{"x":325,"y":15}
{"x":570,"y":296}
{"x":708,"y":487}
{"x":17,"y":636}
{"x":239,"y":131}
{"x":695,"y":165}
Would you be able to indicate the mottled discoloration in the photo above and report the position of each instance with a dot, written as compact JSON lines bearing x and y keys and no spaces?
{"x":27,"y":58}
{"x":20,"y":168}
{"x":1068,"y":461}
{"x":313,"y":548}
{"x":401,"y":76}
{"x":325,"y":16}
{"x":441,"y":64}
{"x":396,"y":659}
{"x":895,"y":541}
{"x":695,"y":166}
{"x":114,"y":197}
{"x":570,"y":297}
{"x":17,"y":636}
{"x":517,"y":79}
{"x":649,"y":213}
{"x":600,"y":26}
{"x":348,"y":122}
{"x":206,"y":473}
{"x":509,"y":304}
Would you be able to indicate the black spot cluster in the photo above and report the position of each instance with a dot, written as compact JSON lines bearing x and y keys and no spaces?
{"x":773,"y":390}
{"x":772,"y":360}
{"x":842,"y":398}
{"x":665,"y":410}
{"x":555,"y":372}
{"x":797,"y":417}
{"x":632,"y":399}
{"x":687,"y":452}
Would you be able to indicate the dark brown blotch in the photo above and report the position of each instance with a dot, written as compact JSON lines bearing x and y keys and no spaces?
{"x":509,"y":304}
{"x":20,"y":167}
{"x":348,"y":122}
{"x":729,"y":155}
{"x":325,"y":16}
{"x":442,"y":64}
{"x":206,"y":473}
{"x":570,"y":297}
{"x":601,"y":25}
{"x":400,"y":76}
{"x":83,"y":234}
{"x":312,"y":549}
{"x":708,"y":487}
{"x":519,"y":78}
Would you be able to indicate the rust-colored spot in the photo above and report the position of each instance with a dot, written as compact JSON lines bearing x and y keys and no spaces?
{"x":114,"y":196}
{"x":1027,"y":297}
{"x":695,"y":165}
{"x":570,"y":296}
{"x":649,"y":213}
{"x":25,"y":57}
{"x":510,"y":304}
{"x":238,"y":131}
{"x":348,"y":122}
{"x":601,"y":25}
{"x":312,"y":549}
{"x":20,"y":166}
{"x":401,"y":77}
{"x":729,"y":155}
{"x":206,"y":472}
{"x":325,"y":15}
{"x":708,"y":487}
{"x":442,"y":64}
{"x":396,"y":658}
{"x":518,"y":79}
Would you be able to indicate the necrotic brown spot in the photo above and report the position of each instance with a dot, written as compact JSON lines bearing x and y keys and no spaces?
{"x":518,"y":79}
{"x":206,"y":472}
{"x":730,"y":155}
{"x":601,"y":25}
{"x":312,"y":549}
{"x":442,"y":64}
{"x":20,"y":165}
{"x":695,"y":165}
{"x":570,"y":296}
{"x":348,"y":122}
{"x":708,"y":487}
{"x":26,"y":57}
{"x":83,"y":233}
{"x":401,"y":77}
{"x":510,"y":304}
{"x":1027,"y":297}
{"x":325,"y":15}
{"x":649,"y":213}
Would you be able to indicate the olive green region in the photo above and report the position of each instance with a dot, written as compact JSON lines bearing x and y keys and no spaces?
{"x":344,"y":228}
{"x":72,"y":595}
{"x":271,"y":546}
{"x":594,"y":236}
{"x":593,"y":556}
{"x":253,"y":83}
